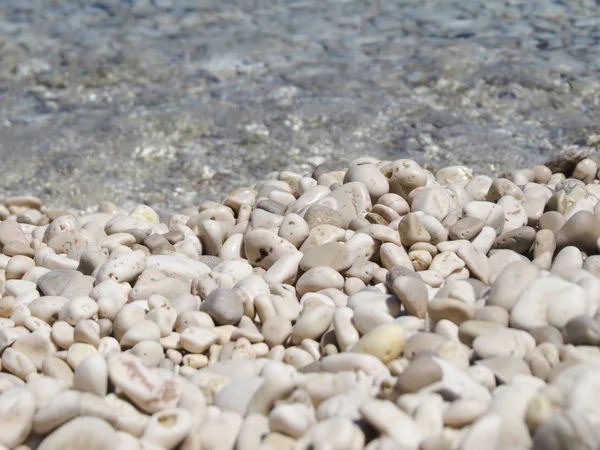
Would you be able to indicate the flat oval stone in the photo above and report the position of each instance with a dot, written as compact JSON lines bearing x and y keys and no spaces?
{"x":143,"y":330}
{"x":197,"y":339}
{"x":294,"y":229}
{"x":511,"y":282}
{"x":225,"y":306}
{"x":342,"y":362}
{"x":263,"y":247}
{"x":412,"y":293}
{"x":11,"y":231}
{"x":466,"y":228}
{"x":91,"y":375}
{"x":552,"y":220}
{"x":455,"y":311}
{"x":518,"y":240}
{"x":312,"y":323}
{"x":123,"y":267}
{"x":319,"y":278}
{"x":386,"y":342}
{"x":317,"y":215}
{"x":582,"y":230}
{"x":369,"y":175}
{"x":433,"y":201}
{"x":404,"y":175}
{"x":412,"y":230}
{"x":421,"y":372}
{"x":476,"y":262}
{"x":336,"y":255}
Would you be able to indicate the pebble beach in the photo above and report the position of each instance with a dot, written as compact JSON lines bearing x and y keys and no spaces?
{"x":377,"y":306}
{"x":241,"y":225}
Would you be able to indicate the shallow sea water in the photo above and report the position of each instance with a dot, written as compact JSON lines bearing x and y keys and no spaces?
{"x":171,"y":102}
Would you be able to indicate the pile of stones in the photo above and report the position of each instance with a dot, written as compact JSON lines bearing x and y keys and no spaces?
{"x":380,"y":306}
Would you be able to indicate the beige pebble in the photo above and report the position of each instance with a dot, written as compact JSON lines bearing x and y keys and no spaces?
{"x":143,"y":330}
{"x":386,"y":342}
{"x":122,"y":267}
{"x":476,"y":262}
{"x":335,"y":255}
{"x":63,"y":334}
{"x":76,"y":309}
{"x":88,"y":332}
{"x":17,"y":363}
{"x":276,"y":330}
{"x":366,"y":318}
{"x":445,"y":263}
{"x":336,"y":433}
{"x":312,"y":323}
{"x":292,"y":420}
{"x":403,"y":176}
{"x":151,"y":352}
{"x":466,"y":228}
{"x":319,"y":278}
{"x":161,"y":389}
{"x":369,"y":175}
{"x":37,"y":346}
{"x":567,"y":262}
{"x":353,"y":200}
{"x":225,"y":306}
{"x":342,"y":362}
{"x":17,"y":266}
{"x":515,"y":215}
{"x":91,"y":375}
{"x":394,"y":255}
{"x":539,"y":409}
{"x":17,"y":407}
{"x":461,"y":413}
{"x":198,"y":340}
{"x":78,"y":352}
{"x":181,"y":267}
{"x":453,"y":174}
{"x":263,"y":247}
{"x":57,"y":368}
{"x":285,"y":270}
{"x":346,"y":334}
{"x":126,"y":317}
{"x":376,"y":300}
{"x":294,"y":229}
{"x":420,"y":259}
{"x":412,"y":230}
{"x":167,"y":428}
